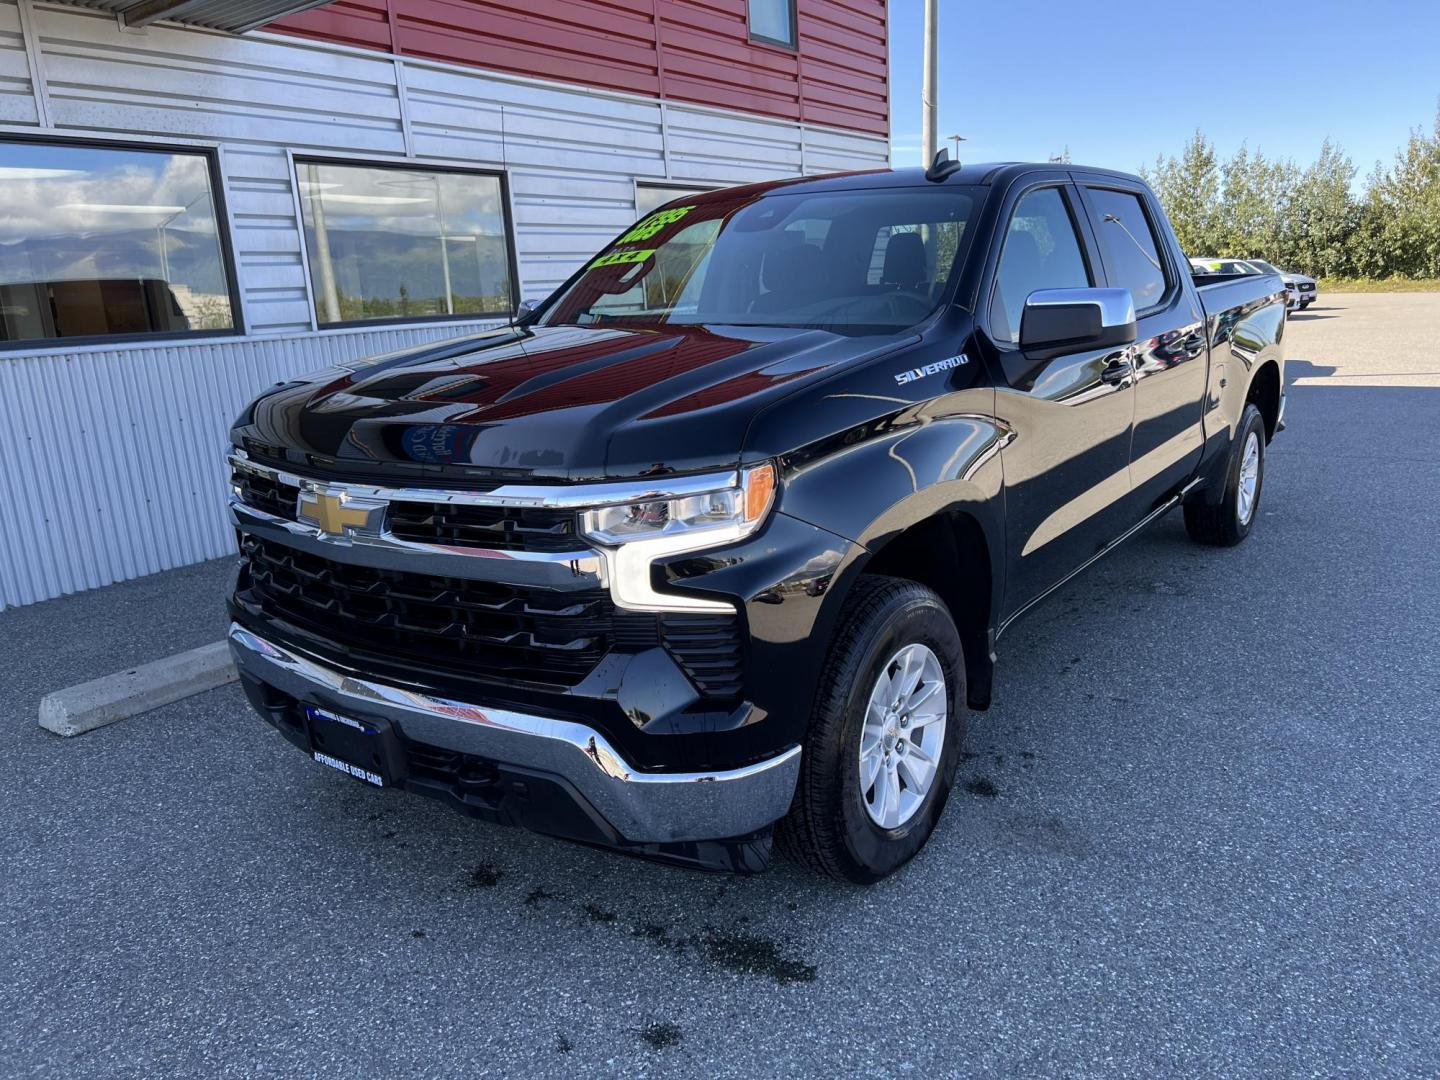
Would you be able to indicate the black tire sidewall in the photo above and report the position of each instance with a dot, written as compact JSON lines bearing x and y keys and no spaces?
{"x":920,"y":618}
{"x":1250,"y":421}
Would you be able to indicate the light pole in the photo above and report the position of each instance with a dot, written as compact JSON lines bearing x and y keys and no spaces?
{"x":444,"y":249}
{"x":928,"y":93}
{"x":957,"y":140}
{"x":329,"y":290}
{"x":164,"y":240}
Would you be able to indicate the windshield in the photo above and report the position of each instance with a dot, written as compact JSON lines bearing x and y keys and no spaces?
{"x":858,"y":262}
{"x":1269,"y":268}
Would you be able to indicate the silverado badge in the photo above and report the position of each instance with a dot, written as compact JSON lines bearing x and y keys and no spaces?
{"x":903,"y":377}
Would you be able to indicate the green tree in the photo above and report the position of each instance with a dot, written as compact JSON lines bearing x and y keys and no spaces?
{"x":1325,"y":215}
{"x":1308,"y":219}
{"x":1255,"y":205}
{"x":1188,"y":188}
{"x":1400,"y":219}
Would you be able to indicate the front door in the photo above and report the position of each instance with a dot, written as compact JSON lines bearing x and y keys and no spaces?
{"x":1067,"y":465}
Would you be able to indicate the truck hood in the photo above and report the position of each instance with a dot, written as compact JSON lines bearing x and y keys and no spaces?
{"x":563,"y":402}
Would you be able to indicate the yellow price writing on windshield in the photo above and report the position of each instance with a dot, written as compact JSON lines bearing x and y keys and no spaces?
{"x":653,"y":224}
{"x":620,"y":258}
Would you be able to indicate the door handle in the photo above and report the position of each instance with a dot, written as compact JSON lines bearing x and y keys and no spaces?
{"x":1117,"y":371}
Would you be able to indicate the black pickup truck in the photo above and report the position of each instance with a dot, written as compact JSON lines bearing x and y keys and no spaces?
{"x":712,"y":548}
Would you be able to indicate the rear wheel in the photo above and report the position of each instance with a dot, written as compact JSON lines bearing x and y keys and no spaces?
{"x":1228,"y":522}
{"x":880,"y":755}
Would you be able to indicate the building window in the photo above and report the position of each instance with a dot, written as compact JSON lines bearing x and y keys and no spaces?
{"x":650,"y":197}
{"x":773,"y":21}
{"x":99,"y":242}
{"x":405,"y":243}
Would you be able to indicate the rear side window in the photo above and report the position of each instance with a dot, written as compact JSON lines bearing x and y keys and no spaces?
{"x":1042,"y":251}
{"x":1131,"y":251}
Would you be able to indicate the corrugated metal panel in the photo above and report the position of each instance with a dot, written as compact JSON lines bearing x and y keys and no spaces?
{"x":235,"y":16}
{"x":845,"y":64}
{"x":608,"y":43}
{"x":17,"y":98}
{"x":113,"y":459}
{"x":710,"y":59}
{"x":683,"y":50}
{"x":110,"y":458}
{"x":364,"y":24}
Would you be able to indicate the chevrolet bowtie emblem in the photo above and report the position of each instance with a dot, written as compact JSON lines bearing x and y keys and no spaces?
{"x":337,"y":514}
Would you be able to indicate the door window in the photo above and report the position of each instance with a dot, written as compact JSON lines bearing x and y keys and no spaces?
{"x":1129,"y":244}
{"x":1042,"y":251}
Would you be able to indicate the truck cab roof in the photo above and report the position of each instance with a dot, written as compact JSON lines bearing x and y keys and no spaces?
{"x":981,"y":174}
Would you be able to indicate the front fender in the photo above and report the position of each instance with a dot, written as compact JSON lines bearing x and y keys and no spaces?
{"x":907,"y":472}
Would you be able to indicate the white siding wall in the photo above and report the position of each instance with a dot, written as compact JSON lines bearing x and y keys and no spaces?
{"x":110,"y":457}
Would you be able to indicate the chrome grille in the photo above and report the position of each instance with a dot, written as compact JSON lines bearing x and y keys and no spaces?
{"x":265,"y":493}
{"x":498,"y":528}
{"x":485,"y":629}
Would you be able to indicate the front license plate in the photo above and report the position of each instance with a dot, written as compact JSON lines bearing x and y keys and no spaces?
{"x":353,"y":746}
{"x":354,"y":770}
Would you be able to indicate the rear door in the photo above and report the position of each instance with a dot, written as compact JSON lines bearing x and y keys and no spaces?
{"x":1067,"y":466}
{"x":1169,"y":356}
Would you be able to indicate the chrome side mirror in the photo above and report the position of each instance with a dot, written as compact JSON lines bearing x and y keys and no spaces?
{"x":1059,"y":321}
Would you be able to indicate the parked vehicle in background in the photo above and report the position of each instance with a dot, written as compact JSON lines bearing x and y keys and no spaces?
{"x":1303,"y":290}
{"x":715,"y":545}
{"x":1228,"y":267}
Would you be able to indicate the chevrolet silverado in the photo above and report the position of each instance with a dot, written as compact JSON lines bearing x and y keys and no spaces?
{"x":712,"y":548}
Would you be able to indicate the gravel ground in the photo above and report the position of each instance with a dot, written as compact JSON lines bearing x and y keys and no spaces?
{"x":1196,"y":835}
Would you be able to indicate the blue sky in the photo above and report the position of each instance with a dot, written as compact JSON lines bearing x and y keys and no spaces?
{"x":1120,"y":81}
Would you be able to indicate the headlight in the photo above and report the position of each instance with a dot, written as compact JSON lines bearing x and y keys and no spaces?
{"x":634,"y":535}
{"x":714,"y":517}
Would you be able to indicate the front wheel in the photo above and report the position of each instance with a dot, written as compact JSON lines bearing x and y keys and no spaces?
{"x":880,"y":754}
{"x":1227,"y":523}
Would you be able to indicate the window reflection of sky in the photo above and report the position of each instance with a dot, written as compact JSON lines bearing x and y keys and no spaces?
{"x":92,"y":238}
{"x":400,"y":243}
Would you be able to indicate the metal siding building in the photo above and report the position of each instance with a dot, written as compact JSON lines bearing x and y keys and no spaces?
{"x":111,"y":454}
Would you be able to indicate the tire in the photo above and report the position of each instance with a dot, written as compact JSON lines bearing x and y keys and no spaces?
{"x":1226,"y":523}
{"x":832,"y":826}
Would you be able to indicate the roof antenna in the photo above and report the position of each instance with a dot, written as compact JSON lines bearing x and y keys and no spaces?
{"x":941,"y":167}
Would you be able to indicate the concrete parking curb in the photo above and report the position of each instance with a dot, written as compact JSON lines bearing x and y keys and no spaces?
{"x":90,"y":705}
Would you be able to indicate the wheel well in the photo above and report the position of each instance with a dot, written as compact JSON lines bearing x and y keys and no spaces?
{"x":948,"y":553}
{"x":1265,"y":393}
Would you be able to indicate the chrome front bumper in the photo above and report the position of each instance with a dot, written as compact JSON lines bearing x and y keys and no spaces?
{"x":642,"y":807}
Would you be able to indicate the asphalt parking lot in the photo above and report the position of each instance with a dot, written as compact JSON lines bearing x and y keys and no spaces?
{"x":1197,"y":835}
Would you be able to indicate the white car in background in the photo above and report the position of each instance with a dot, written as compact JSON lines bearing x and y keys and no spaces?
{"x":1227,"y":266}
{"x":1301,"y":291}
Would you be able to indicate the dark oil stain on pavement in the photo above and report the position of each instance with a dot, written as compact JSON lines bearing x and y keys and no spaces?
{"x":599,"y":914}
{"x":742,"y":954}
{"x":485,"y":876}
{"x":661,"y":1034}
{"x":749,"y":954}
{"x":982,"y":786}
